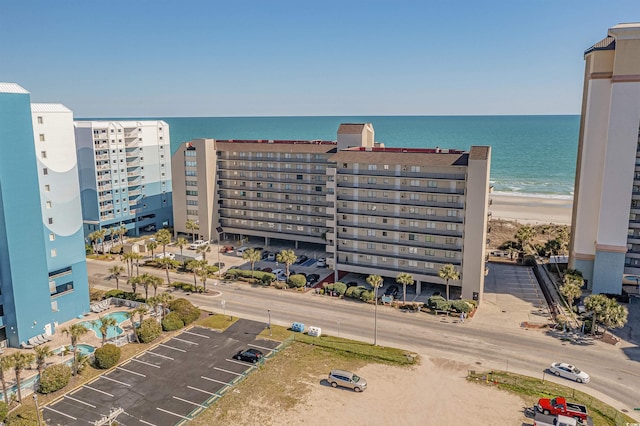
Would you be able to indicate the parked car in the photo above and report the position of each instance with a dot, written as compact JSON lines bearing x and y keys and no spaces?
{"x":226,"y":249}
{"x":220,"y":265}
{"x":301,"y":259}
{"x":267,"y":270}
{"x":280,"y":274}
{"x":562,"y":369}
{"x":249,"y":355}
{"x":392,"y":291}
{"x":240,"y":251}
{"x":346,"y":379}
{"x":197,"y":243}
{"x":170,"y":255}
{"x":312,"y":278}
{"x":258,"y":248}
{"x":322,"y":262}
{"x":271,"y":256}
{"x":149,"y":228}
{"x":561,"y":406}
{"x":265,"y":254}
{"x":352,"y":284}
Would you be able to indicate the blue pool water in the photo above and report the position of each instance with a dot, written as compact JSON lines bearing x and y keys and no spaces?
{"x":111,"y":331}
{"x":82,"y":349}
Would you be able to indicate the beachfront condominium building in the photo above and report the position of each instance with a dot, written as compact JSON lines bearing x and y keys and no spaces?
{"x":43,"y":273}
{"x":605,"y":241}
{"x":374,"y":210}
{"x":125,"y":175}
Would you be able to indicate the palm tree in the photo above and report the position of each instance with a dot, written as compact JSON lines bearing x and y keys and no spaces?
{"x":572,"y":288}
{"x":121,"y":230}
{"x":163,"y":237}
{"x":597,"y":304}
{"x":167,"y":263}
{"x":103,"y":324}
{"x":194,"y":265}
{"x":524,"y":235}
{"x":145,"y":281}
{"x":128,"y":260}
{"x":93,"y":237}
{"x":203,"y":250}
{"x":375,"y":281}
{"x":132,"y":317}
{"x":181,"y":243}
{"x":252,"y":256}
{"x":136,"y":257}
{"x":134,"y":282}
{"x":100,"y":235}
{"x":404,"y":279}
{"x":448,"y":272}
{"x":155,"y":283}
{"x":163,"y":301}
{"x":141,"y":311}
{"x":193,"y":226}
{"x":20,"y":361}
{"x":75,"y":331}
{"x":287,"y":257}
{"x":152,"y":245}
{"x":153,"y":304}
{"x":42,"y":353}
{"x":203,"y":273}
{"x":6,"y":363}
{"x":116,"y":272}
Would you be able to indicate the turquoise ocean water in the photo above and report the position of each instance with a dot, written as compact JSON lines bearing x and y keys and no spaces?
{"x":531,"y":155}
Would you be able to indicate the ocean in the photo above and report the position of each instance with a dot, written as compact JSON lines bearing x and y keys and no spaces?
{"x":531,"y":155}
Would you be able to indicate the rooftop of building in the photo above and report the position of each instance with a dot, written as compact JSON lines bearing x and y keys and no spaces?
{"x":429,"y":157}
{"x":119,"y":123}
{"x":264,"y":145}
{"x":352,"y":128}
{"x":49,"y":108}
{"x":12,"y":88}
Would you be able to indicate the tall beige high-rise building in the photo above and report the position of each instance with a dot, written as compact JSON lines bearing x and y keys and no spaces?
{"x":605,"y":240}
{"x":374,"y":210}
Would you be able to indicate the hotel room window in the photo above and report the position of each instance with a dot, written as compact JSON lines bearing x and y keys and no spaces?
{"x":52,"y":236}
{"x":41,"y":137}
{"x":50,"y":221}
{"x":40,"y":121}
{"x":54,"y":252}
{"x":48,"y":204}
{"x":43,"y":154}
{"x":47,"y":188}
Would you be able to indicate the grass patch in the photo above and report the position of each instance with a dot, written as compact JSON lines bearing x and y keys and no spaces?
{"x":217,"y":321}
{"x":277,"y":333}
{"x":531,"y":389}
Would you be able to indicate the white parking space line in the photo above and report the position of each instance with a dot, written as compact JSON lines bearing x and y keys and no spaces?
{"x":81,"y":402}
{"x":214,"y":380}
{"x":172,"y":413}
{"x":228,"y":371}
{"x":171,"y":347}
{"x":132,"y":372}
{"x":260,"y":347}
{"x":204,"y":391}
{"x":185,"y":341}
{"x":235,"y":361}
{"x":59,"y":412}
{"x":116,"y":381}
{"x":190,"y":402}
{"x":145,"y":363}
{"x":196,"y":334}
{"x":146,"y":423}
{"x":98,"y":390}
{"x":161,"y":356}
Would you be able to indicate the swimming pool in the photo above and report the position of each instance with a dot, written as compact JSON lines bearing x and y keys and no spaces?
{"x":111,"y":331}
{"x":83,"y":349}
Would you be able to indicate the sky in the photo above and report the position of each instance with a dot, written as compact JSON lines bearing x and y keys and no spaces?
{"x":158,"y":58}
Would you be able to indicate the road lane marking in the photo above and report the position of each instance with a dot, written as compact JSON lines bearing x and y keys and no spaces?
{"x":171,"y":347}
{"x":260,"y":347}
{"x":146,"y":423}
{"x":214,"y":380}
{"x":98,"y":390}
{"x":204,"y":391}
{"x":190,"y":402}
{"x":59,"y":412}
{"x":81,"y":402}
{"x":185,"y":341}
{"x":161,"y":356}
{"x":169,"y":412}
{"x":146,"y":363}
{"x":132,"y":372}
{"x":114,"y":380}
{"x":196,"y":334}
{"x":228,"y":371}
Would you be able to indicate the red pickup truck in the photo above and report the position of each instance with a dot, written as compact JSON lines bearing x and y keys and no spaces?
{"x":560,"y":405}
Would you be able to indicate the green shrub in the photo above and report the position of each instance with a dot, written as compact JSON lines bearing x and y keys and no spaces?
{"x":355,"y":292}
{"x":185,"y":310}
{"x":172,"y":322}
{"x":439,"y":303}
{"x":530,"y":260}
{"x":4,"y":411}
{"x":366,"y":295}
{"x":149,"y":330}
{"x":297,"y":281}
{"x":107,"y":356}
{"x":267,"y":279}
{"x":54,"y":378}
{"x":280,"y":285}
{"x":338,"y":287}
{"x":258,"y":275}
{"x":119,"y":294}
{"x":461,"y":306}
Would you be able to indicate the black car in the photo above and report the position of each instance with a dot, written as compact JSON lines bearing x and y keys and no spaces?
{"x":312,"y":278}
{"x":302,"y":259}
{"x":265,"y":254}
{"x":352,"y":284}
{"x":220,"y":265}
{"x":392,"y":291}
{"x":249,"y":355}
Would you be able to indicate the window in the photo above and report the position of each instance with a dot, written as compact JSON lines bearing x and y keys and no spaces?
{"x":48,"y":204}
{"x":371,"y":246}
{"x":190,"y":163}
{"x":192,"y":202}
{"x":432,"y":184}
{"x":450,"y":241}
{"x":190,"y":192}
{"x":369,"y":219}
{"x":371,"y":180}
{"x":449,"y":254}
{"x":415,"y":169}
{"x":190,"y":173}
{"x":413,"y":250}
{"x":371,"y":207}
{"x":413,"y":263}
{"x":52,"y":236}
{"x":413,"y":223}
{"x":47,"y":188}
{"x":45,"y":171}
{"x":452,"y":227}
{"x":40,"y":121}
{"x":431,"y":225}
{"x":414,"y":196}
{"x":452,"y":213}
{"x":41,"y":137}
{"x":50,"y":221}
{"x":431,"y":212}
{"x":371,"y":232}
{"x":413,"y":237}
{"x":43,"y":154}
{"x":415,"y":182}
{"x":430,"y":252}
{"x":386,"y":167}
{"x":372,"y":167}
{"x":191,"y":183}
{"x":190,"y":153}
{"x":54,"y":252}
{"x":429,"y":265}
{"x":452,"y":199}
{"x":430,"y":239}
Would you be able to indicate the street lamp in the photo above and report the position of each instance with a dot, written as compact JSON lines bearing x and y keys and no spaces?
{"x":375,"y":316}
{"x":219,"y":231}
{"x":35,"y":399}
{"x":269,"y":326}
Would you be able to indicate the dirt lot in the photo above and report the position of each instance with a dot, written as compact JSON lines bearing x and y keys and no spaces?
{"x":291,"y":390}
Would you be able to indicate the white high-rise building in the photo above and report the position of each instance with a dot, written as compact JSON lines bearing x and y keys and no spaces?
{"x":605,"y":241}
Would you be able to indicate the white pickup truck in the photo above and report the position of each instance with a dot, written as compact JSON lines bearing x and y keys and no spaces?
{"x":559,"y":420}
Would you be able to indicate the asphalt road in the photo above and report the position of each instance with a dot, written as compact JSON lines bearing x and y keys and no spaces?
{"x":614,"y":370}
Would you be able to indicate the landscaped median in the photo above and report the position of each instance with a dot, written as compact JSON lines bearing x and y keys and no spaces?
{"x":531,"y":389}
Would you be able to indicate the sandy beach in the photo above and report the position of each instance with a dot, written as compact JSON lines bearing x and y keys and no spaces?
{"x":531,"y":210}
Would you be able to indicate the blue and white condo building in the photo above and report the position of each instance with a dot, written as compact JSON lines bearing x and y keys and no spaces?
{"x":43,"y":273}
{"x":125,"y":174}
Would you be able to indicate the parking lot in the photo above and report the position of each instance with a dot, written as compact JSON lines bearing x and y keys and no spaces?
{"x":167,"y":383}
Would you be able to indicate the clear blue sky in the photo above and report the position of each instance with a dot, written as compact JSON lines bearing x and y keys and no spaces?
{"x":151,"y":58}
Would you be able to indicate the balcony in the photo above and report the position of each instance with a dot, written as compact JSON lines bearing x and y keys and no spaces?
{"x":135,"y":192}
{"x":134,"y":163}
{"x":134,"y":153}
{"x":106,"y":176}
{"x":402,"y":187}
{"x":132,"y":174}
{"x":103,"y":167}
{"x":102,"y":188}
{"x":106,"y":206}
{"x":107,"y":216}
{"x":403,"y":174}
{"x":102,"y":157}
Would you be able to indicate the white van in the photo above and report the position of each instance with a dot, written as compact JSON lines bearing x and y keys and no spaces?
{"x":240,"y":251}
{"x":197,"y":243}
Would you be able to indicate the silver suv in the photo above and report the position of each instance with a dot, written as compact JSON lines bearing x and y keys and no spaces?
{"x":346,"y":379}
